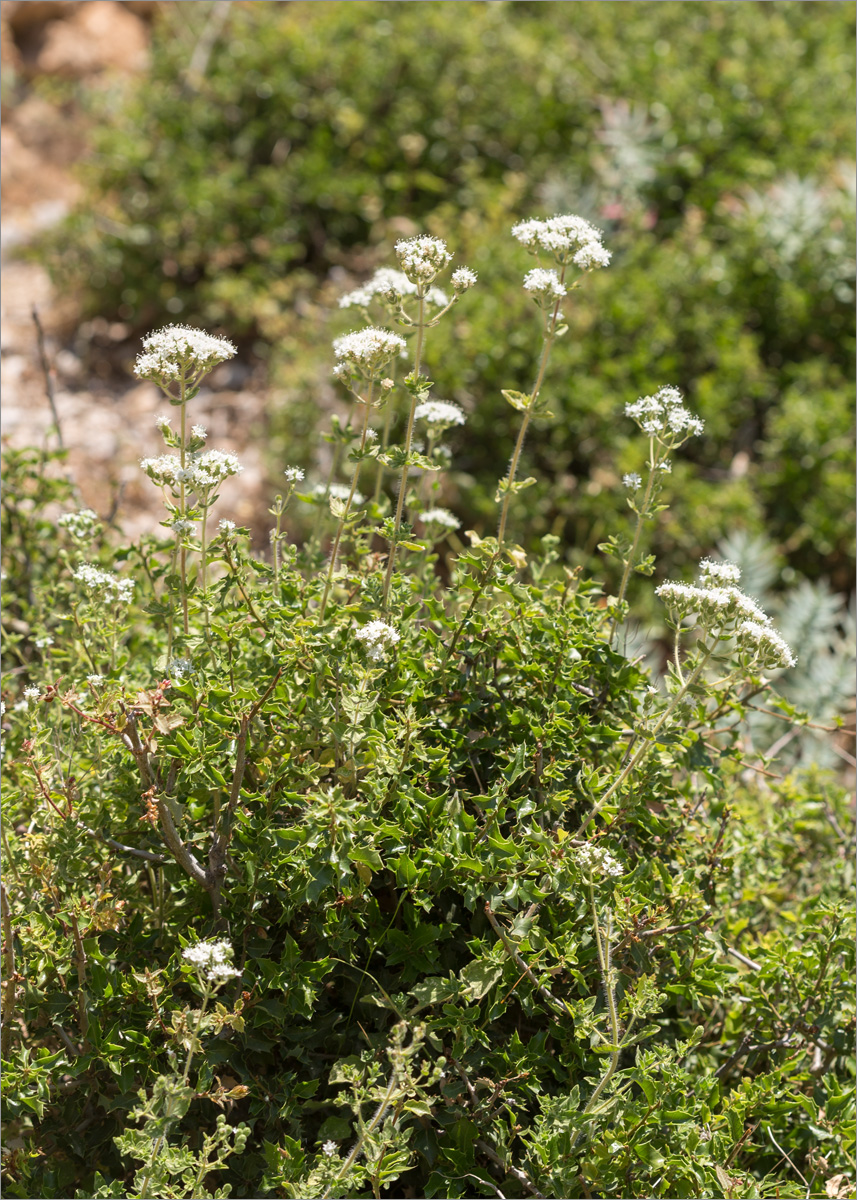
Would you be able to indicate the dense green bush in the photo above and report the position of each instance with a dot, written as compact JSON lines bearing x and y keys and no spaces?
{"x":709,"y":140}
{"x":496,"y":910}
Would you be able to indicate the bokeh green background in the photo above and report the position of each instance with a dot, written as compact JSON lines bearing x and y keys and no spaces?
{"x":712,"y":142}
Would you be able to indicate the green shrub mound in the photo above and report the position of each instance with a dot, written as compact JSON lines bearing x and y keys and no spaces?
{"x":711,"y":141}
{"x":327,"y":875}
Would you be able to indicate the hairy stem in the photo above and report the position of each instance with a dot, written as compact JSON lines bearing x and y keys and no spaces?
{"x":602,"y":942}
{"x":367,"y":1132}
{"x":629,"y":561}
{"x":403,"y":483}
{"x":204,"y":575}
{"x":550,"y":336}
{"x":334,"y":554}
{"x":183,"y":508}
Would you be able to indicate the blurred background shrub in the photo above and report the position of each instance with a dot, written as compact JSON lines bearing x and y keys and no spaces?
{"x":264,"y":167}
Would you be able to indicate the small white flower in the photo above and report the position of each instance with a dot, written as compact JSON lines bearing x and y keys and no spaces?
{"x":32,"y":693}
{"x":42,"y":643}
{"x":664,"y":416}
{"x":182,"y":527}
{"x":227,"y":528}
{"x":766,"y":643}
{"x":440,"y":516}
{"x":596,"y":860}
{"x":544,"y":285}
{"x":716,"y":573}
{"x":111,"y":587}
{"x":163,"y":421}
{"x":211,"y":960}
{"x":376,"y":636}
{"x":366,"y":351}
{"x":21,"y":706}
{"x":216,"y":465}
{"x":422,"y":257}
{"x":199,"y":431}
{"x":95,"y":680}
{"x":221,"y":971}
{"x":79,"y":524}
{"x":568,"y":238}
{"x":177,"y":668}
{"x":330,"y":1149}
{"x":632,"y":481}
{"x":180,"y":352}
{"x":293,"y":474}
{"x":2,"y":708}
{"x":463,"y":278}
{"x":439,"y":412}
{"x":718,"y":607}
{"x":338,"y":491}
{"x":436,"y":297}
{"x":591,"y":255}
{"x":386,"y":283}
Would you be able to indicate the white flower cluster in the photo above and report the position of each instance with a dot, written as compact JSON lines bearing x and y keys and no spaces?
{"x":440,"y":516}
{"x":337,"y":491}
{"x":422,"y":257}
{"x":177,"y":668}
{"x":376,"y":637}
{"x":570,"y":239}
{"x":112,"y":588}
{"x":725,"y":610}
{"x":180,"y":351}
{"x":32,"y":693}
{"x":95,"y":680}
{"x":632,"y":481}
{"x":366,"y":351}
{"x":717,"y":572}
{"x":388,"y":283}
{"x":79,"y":524}
{"x":664,"y":416}
{"x":439,"y":412}
{"x":227,"y":528}
{"x":200,"y":473}
{"x":544,"y":285}
{"x":463,"y":278}
{"x":329,"y":1149}
{"x":211,"y":960}
{"x":293,"y":474}
{"x":766,"y":644}
{"x":595,"y":860}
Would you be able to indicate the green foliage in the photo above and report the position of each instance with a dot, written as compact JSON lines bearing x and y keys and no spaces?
{"x":710,"y":141}
{"x":506,"y":913}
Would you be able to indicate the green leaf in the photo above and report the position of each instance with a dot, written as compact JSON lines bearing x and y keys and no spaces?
{"x":368,"y":855}
{"x":518,"y":400}
{"x":479,"y":977}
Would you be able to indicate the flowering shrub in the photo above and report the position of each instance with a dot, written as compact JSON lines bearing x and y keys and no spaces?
{"x":714,"y":141}
{"x":328,"y":875}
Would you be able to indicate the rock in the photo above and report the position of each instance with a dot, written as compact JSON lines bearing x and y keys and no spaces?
{"x":29,"y":179}
{"x":22,"y":16}
{"x":53,"y":133}
{"x":100,"y":34}
{"x":10,"y":56}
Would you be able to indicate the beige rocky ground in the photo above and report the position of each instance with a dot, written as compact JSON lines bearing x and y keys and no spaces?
{"x":106,"y":416}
